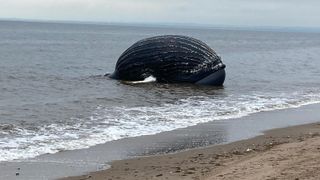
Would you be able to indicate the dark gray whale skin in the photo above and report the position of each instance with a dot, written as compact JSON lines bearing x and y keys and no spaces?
{"x":171,"y":59}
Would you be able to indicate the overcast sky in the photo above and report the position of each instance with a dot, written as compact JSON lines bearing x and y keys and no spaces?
{"x":298,"y":13}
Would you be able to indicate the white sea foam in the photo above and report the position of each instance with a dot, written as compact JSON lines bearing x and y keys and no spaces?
{"x":107,"y":124}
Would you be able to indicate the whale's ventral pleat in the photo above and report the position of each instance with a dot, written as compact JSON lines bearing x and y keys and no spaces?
{"x":171,"y":59}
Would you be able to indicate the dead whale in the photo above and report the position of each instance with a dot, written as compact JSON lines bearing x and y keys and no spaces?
{"x":171,"y":59}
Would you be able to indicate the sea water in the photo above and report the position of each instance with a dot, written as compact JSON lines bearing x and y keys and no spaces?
{"x":54,"y":95}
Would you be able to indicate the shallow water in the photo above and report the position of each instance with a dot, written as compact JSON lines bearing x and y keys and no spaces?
{"x":54,"y":96}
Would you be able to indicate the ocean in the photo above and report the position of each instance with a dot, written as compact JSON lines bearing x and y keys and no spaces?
{"x":54,"y":95}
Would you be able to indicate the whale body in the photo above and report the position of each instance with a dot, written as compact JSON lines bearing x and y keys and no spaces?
{"x":171,"y":59}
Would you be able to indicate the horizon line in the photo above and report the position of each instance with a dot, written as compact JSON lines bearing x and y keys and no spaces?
{"x":173,"y":25}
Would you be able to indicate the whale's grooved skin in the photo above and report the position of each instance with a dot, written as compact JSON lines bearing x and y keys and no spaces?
{"x":170,"y":59}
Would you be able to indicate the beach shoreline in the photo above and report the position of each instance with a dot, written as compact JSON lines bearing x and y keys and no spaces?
{"x":79,"y":162}
{"x":261,"y":157}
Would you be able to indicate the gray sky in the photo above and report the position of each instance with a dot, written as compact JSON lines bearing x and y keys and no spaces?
{"x":297,"y":13}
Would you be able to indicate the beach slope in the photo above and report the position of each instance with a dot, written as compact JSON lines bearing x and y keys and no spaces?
{"x":286,"y":153}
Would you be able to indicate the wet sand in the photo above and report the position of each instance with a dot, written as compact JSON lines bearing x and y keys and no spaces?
{"x":286,"y":153}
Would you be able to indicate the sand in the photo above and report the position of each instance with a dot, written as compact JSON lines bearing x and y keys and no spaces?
{"x":286,"y":153}
{"x":297,"y":160}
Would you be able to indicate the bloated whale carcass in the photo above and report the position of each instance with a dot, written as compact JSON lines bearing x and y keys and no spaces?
{"x":171,"y":59}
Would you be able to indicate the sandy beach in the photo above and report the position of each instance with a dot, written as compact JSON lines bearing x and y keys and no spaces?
{"x":286,"y":153}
